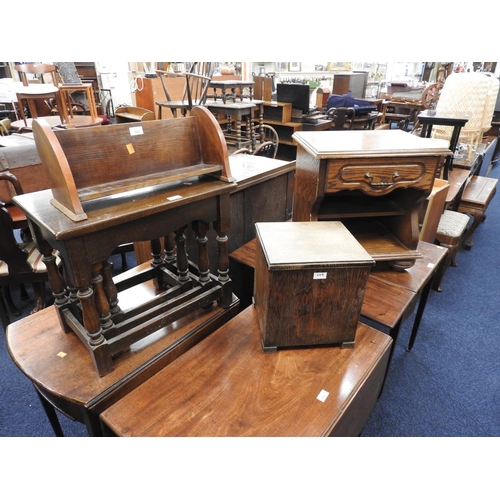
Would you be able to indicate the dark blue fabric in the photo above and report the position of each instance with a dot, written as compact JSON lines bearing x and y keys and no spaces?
{"x":348,"y":101}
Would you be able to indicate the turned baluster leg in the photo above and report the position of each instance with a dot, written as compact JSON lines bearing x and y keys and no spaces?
{"x":111,"y":292}
{"x":222,"y":226}
{"x":169,"y":244}
{"x":223,"y":262}
{"x":238,"y":131}
{"x":101,"y":354}
{"x":201,"y":229}
{"x":158,"y":263}
{"x":251,"y":128}
{"x":223,"y":270}
{"x":261,"y":122}
{"x":70,"y":287}
{"x":56,"y":281}
{"x":182,"y":260}
{"x":101,"y":301}
{"x":91,"y":320}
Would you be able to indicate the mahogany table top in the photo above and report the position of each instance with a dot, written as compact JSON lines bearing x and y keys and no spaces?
{"x":227,"y":386}
{"x":76,"y":121}
{"x":415,"y":277}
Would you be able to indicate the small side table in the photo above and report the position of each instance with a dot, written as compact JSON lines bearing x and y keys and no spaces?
{"x":239,"y":111}
{"x":430,"y":117}
{"x":228,"y":90}
{"x":66,"y":89}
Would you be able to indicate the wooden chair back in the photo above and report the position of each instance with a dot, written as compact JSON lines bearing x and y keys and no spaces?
{"x":197,"y":80}
{"x":263,"y":88}
{"x":342,"y":118}
{"x":20,"y":263}
{"x":36,"y":69}
{"x":269,"y":142}
{"x":10,"y":251}
{"x":433,"y":210}
{"x":7,"y":181}
{"x":195,"y":89}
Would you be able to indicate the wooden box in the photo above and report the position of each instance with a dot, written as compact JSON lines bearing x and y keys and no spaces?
{"x":278,"y":111}
{"x":310,"y":280}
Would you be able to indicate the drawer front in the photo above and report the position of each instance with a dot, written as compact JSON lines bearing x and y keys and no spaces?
{"x":379,"y":178}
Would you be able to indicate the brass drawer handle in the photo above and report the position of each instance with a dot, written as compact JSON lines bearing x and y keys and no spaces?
{"x":395,"y":175}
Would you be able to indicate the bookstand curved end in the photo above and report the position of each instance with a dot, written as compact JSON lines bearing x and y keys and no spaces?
{"x":53,"y":158}
{"x":214,"y":143}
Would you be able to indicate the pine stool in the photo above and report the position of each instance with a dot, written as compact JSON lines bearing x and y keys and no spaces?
{"x":475,"y":200}
{"x":450,"y":232}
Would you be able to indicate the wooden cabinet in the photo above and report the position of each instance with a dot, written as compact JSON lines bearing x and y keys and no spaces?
{"x":373,"y":181}
{"x":355,"y":82}
{"x":150,"y":90}
{"x":5,"y":71}
{"x":87,"y":72}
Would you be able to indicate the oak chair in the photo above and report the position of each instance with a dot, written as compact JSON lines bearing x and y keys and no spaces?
{"x":5,"y":126}
{"x":195,"y":89}
{"x":20,"y":263}
{"x":342,"y":118}
{"x":450,"y":234}
{"x":433,"y":210}
{"x":39,"y":70}
{"x":33,"y":93}
{"x":269,"y":142}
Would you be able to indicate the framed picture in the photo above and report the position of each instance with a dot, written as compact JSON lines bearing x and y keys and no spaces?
{"x":281,"y":66}
{"x":339,"y":66}
{"x":294,"y":66}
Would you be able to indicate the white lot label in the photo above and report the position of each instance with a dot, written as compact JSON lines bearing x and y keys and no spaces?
{"x":319,"y":276}
{"x":323,"y":395}
{"x":136,"y":131}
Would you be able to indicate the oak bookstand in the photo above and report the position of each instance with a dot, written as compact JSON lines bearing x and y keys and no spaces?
{"x":129,"y":183}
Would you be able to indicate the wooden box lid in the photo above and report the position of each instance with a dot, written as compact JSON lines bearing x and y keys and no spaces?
{"x":308,"y":245}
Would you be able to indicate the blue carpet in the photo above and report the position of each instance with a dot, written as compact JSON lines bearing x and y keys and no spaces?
{"x":448,"y":385}
{"x":21,"y":413}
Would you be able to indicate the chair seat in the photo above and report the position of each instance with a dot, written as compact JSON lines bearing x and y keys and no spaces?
{"x":18,"y":216}
{"x":34,"y":259}
{"x":40,"y":89}
{"x":172,"y":104}
{"x":452,"y":224}
{"x":451,"y":229}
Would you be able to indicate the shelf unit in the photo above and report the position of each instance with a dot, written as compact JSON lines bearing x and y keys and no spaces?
{"x":5,"y":71}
